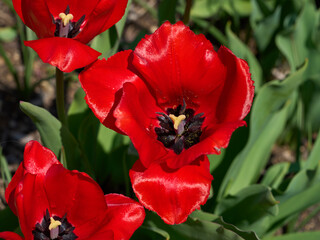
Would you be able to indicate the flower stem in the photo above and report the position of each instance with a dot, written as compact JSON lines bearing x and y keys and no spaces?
{"x":60,"y":96}
{"x":186,"y":16}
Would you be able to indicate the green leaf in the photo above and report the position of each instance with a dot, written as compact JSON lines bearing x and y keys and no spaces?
{"x":9,"y":221}
{"x":297,"y":236}
{"x":313,"y":159}
{"x":47,"y":125}
{"x":302,"y":192}
{"x":299,"y":42}
{"x":7,"y":34}
{"x":268,"y":117}
{"x":54,"y":136}
{"x":196,"y":229}
{"x":247,"y":208}
{"x":242,"y":51}
{"x":167,"y":11}
{"x":275,"y":174}
{"x":264,"y":22}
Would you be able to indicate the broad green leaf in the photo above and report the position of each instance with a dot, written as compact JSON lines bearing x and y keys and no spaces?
{"x":149,"y":233}
{"x":297,"y":236}
{"x":248,"y":207}
{"x":268,"y":117}
{"x":298,"y":43}
{"x":77,"y":111}
{"x":167,"y":11}
{"x":275,"y":174}
{"x":196,"y":229}
{"x":47,"y":125}
{"x":7,"y":34}
{"x":243,"y":51}
{"x":209,"y":8}
{"x":314,"y":158}
{"x":54,"y":136}
{"x":264,"y":22}
{"x":9,"y":221}
{"x":302,"y":192}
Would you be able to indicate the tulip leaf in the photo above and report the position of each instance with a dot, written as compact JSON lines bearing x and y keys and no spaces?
{"x":54,"y":136}
{"x":268,"y":117}
{"x":9,"y":221}
{"x":7,"y":34}
{"x":47,"y":125}
{"x":249,"y":207}
{"x":313,"y":159}
{"x":243,"y":51}
{"x":167,"y":11}
{"x":275,"y":174}
{"x":301,"y":41}
{"x":297,"y":236}
{"x":301,"y":193}
{"x":196,"y":229}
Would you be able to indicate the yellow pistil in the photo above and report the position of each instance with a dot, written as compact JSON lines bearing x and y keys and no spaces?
{"x":54,"y":223}
{"x":177,"y":120}
{"x":66,"y":18}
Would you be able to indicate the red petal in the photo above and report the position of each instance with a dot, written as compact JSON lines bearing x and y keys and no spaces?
{"x":237,"y":94}
{"x":172,"y":194}
{"x":74,"y":194}
{"x":178,"y":64}
{"x":38,"y":159}
{"x":103,"y":82}
{"x":17,"y":8}
{"x":212,"y":140}
{"x":36,"y":16}
{"x":126,"y":215}
{"x":63,"y":53}
{"x":136,"y":116}
{"x":31,"y":202}
{"x":10,"y":236}
{"x":77,"y":8}
{"x":106,"y":14}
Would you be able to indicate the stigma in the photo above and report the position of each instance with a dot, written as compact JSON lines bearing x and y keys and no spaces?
{"x":54,"y":223}
{"x":177,"y":120}
{"x":66,"y":18}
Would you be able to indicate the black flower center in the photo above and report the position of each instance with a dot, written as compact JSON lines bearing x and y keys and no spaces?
{"x":65,"y":27}
{"x":179,"y":128}
{"x":54,"y":228}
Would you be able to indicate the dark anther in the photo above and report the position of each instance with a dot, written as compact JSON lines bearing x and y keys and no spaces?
{"x":67,"y":11}
{"x":42,"y":232}
{"x":187,"y":134}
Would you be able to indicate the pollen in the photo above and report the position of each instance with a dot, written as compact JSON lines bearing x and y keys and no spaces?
{"x":66,"y":18}
{"x":54,"y":223}
{"x":177,"y":120}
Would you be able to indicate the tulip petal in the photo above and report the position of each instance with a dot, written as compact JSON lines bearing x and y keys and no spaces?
{"x":36,"y":15}
{"x":74,"y":194}
{"x":212,"y":140}
{"x":238,"y":91}
{"x":77,"y":8}
{"x":64,"y":53}
{"x":172,"y":194}
{"x":10,"y":236}
{"x":106,"y":14}
{"x":125,"y":214}
{"x":136,"y":117}
{"x":178,"y":64}
{"x":103,"y":82}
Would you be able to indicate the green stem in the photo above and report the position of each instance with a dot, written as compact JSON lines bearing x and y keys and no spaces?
{"x":186,"y":16}
{"x":60,"y":96}
{"x":10,"y":67}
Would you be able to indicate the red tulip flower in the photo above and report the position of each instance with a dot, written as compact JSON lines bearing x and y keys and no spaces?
{"x":178,"y":100}
{"x":52,"y":202}
{"x":64,"y":27}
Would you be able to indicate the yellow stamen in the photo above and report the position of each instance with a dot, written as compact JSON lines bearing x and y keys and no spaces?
{"x":54,"y":223}
{"x":66,"y":18}
{"x":177,"y":120}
